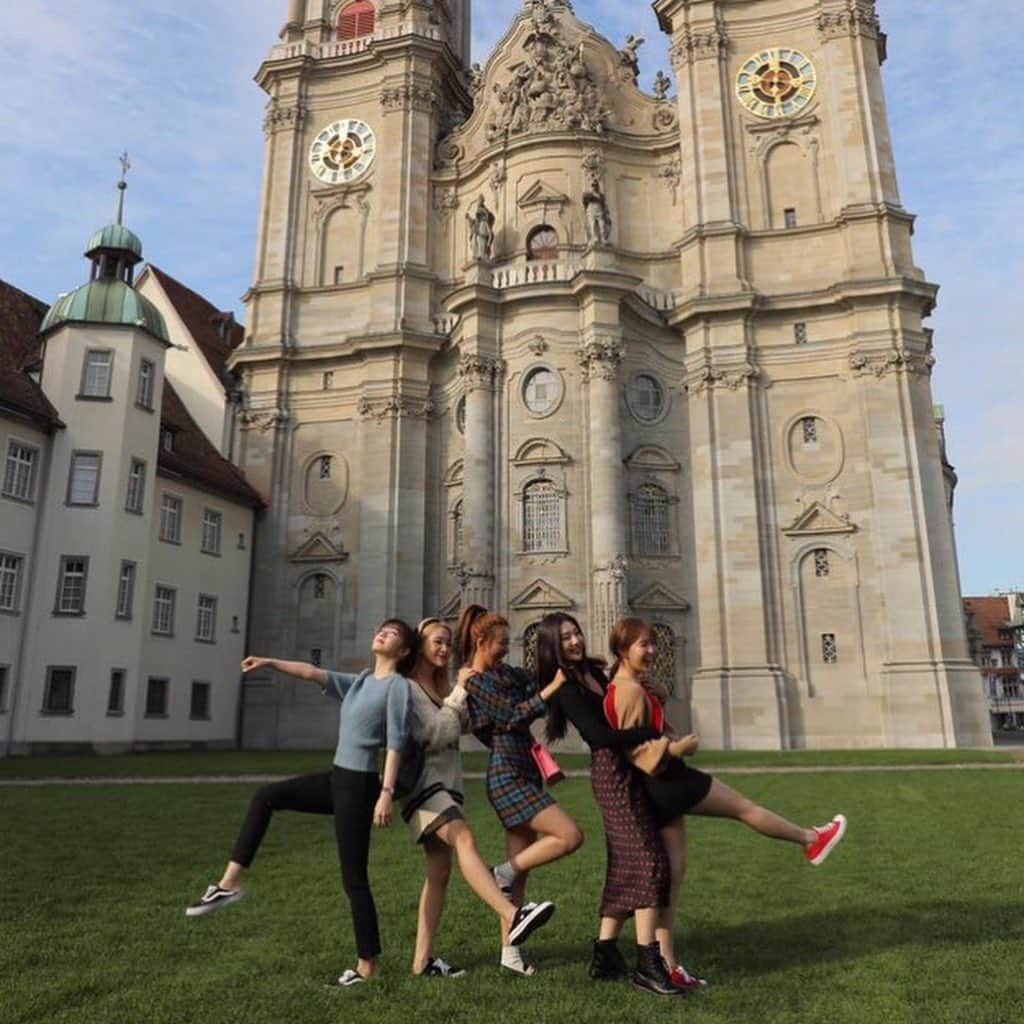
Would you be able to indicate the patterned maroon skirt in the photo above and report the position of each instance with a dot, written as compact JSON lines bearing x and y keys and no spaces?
{"x":637,"y":875}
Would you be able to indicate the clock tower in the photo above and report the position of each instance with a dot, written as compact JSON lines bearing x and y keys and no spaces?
{"x":341,"y":329}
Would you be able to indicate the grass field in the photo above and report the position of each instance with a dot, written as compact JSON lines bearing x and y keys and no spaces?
{"x":918,"y":916}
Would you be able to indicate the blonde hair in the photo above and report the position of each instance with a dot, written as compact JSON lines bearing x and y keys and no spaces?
{"x":439,"y":678}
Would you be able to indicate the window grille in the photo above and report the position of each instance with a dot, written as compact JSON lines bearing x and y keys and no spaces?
{"x":71,"y":589}
{"x":170,"y":519}
{"x":800,"y":333}
{"x":651,"y":521}
{"x":136,"y":487}
{"x":542,"y":517}
{"x":530,"y":648}
{"x":212,"y":528}
{"x":126,"y":590}
{"x":647,"y":397}
{"x":10,"y":581}
{"x":319,"y":587}
{"x":163,"y":611}
{"x":663,"y":668}
{"x":96,"y":374}
{"x":809,"y":425}
{"x":829,"y":650}
{"x":20,"y":471}
{"x":206,"y":620}
{"x":822,"y":567}
{"x":325,"y":467}
{"x":147,"y":380}
{"x":84,"y":487}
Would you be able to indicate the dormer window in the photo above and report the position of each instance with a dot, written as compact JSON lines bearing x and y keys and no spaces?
{"x":356,"y":20}
{"x":167,"y":439}
{"x":542,"y":244}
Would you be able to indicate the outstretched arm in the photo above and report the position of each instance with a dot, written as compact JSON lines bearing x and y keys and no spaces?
{"x":298,"y":669}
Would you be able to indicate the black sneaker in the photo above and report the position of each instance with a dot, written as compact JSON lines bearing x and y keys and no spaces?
{"x":529,"y":917}
{"x":213,"y":899}
{"x":437,"y":968}
{"x":608,"y":963}
{"x":651,"y":974}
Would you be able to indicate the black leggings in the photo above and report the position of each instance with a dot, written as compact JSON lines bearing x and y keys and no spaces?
{"x":309,"y":794}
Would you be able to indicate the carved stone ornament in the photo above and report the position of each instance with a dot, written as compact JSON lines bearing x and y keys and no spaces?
{"x":467,"y":575}
{"x":408,"y":97}
{"x":396,"y":407}
{"x":279,"y":118}
{"x":703,"y":44}
{"x":617,"y":569}
{"x":600,"y":359}
{"x":480,"y":372}
{"x":538,"y":346}
{"x":262,"y":419}
{"x":707,"y":378}
{"x":672,"y":175}
{"x":551,"y":90}
{"x":629,"y":57}
{"x":445,"y":201}
{"x":665,"y":118}
{"x":897,"y":360}
{"x":498,"y":178}
{"x":662,"y":86}
{"x":593,"y":163}
{"x":857,"y":18}
{"x":476,"y":78}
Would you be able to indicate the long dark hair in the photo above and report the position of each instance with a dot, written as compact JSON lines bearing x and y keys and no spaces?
{"x":410,"y":641}
{"x":625,"y":633}
{"x":550,"y":660}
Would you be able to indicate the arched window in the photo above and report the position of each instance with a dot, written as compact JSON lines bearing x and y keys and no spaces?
{"x":663,"y":670}
{"x":530,"y":648}
{"x":457,"y":533}
{"x":651,"y":534}
{"x":542,"y":517}
{"x":356,"y":20}
{"x":542,"y":243}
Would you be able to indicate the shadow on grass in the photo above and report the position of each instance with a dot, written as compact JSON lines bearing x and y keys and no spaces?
{"x":803,"y":940}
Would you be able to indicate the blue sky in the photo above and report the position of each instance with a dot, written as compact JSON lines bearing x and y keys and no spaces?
{"x":172,"y":84}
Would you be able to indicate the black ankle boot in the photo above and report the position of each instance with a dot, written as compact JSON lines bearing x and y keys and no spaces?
{"x":608,"y":963}
{"x":651,"y":974}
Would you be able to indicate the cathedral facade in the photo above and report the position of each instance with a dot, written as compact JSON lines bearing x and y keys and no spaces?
{"x":546,"y":336}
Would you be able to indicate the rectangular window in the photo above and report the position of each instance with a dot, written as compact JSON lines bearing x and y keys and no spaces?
{"x":206,"y":620}
{"x":20,"y":471}
{"x":809,"y":426}
{"x":136,"y":487}
{"x":10,"y":582}
{"x":328,"y":380}
{"x":170,"y":519}
{"x":96,"y":373}
{"x":829,"y":650}
{"x":84,"y":478}
{"x":241,"y":542}
{"x":74,"y":571}
{"x":59,"y":695}
{"x":147,"y":383}
{"x":156,"y":697}
{"x":167,"y":439}
{"x":790,"y":216}
{"x":325,"y":467}
{"x":5,"y":671}
{"x":234,"y":624}
{"x":115,"y":698}
{"x":163,"y":611}
{"x":800,"y":333}
{"x":199,"y":709}
{"x":316,"y":656}
{"x":125,"y":591}
{"x":212,"y":524}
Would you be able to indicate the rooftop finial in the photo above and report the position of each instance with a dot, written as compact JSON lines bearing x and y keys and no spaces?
{"x":122,"y":185}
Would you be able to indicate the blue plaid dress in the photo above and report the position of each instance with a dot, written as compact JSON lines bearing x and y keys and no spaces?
{"x":502,"y":704}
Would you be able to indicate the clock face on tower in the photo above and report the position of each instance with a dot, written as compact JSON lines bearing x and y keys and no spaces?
{"x":776,"y":83}
{"x":343,"y":151}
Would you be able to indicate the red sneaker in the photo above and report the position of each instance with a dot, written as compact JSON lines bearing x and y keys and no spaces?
{"x":828,"y":837}
{"x":684,"y":979}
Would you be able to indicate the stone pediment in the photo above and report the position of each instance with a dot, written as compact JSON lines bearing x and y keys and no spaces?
{"x":551,"y":73}
{"x":541,"y":194}
{"x":319,"y":548}
{"x":542,"y":596}
{"x":658,"y":597}
{"x":650,"y":458}
{"x":818,"y":520}
{"x":539,"y":451}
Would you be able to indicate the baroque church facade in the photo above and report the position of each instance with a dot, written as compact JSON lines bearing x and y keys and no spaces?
{"x":544,"y":336}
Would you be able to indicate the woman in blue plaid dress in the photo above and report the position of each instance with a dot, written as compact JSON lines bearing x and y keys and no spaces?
{"x":503,"y":701}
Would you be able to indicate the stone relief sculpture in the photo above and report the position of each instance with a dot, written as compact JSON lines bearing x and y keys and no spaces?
{"x":629,"y":56}
{"x":662,"y":86}
{"x":597,"y":214}
{"x":552,"y":89}
{"x":481,"y":231}
{"x":476,"y":78}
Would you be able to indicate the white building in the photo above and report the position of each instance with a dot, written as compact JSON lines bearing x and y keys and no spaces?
{"x":125,"y":536}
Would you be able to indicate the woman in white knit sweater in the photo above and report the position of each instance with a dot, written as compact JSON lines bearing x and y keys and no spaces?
{"x":433,"y":810}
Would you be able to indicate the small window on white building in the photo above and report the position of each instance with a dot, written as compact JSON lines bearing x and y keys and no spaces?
{"x":115,"y":696}
{"x":213,"y":522}
{"x":206,"y":619}
{"x":167,"y":439}
{"x":170,"y":519}
{"x":126,"y":591}
{"x":542,"y":517}
{"x":96,"y":373}
{"x":10,"y":582}
{"x":316,"y":656}
{"x":199,"y":706}
{"x":157,"y":694}
{"x":241,"y":542}
{"x":146,"y":384}
{"x":136,"y":487}
{"x":163,"y":611}
{"x":59,"y":695}
{"x":84,"y":478}
{"x":829,"y":650}
{"x":651,"y":521}
{"x":74,"y":571}
{"x":20,"y":471}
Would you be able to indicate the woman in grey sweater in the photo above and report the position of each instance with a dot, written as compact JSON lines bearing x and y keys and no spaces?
{"x":433,"y":810}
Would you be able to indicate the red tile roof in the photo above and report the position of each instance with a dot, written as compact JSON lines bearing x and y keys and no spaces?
{"x":991,"y":614}
{"x":203,"y":321}
{"x":194,"y":458}
{"x":20,"y":318}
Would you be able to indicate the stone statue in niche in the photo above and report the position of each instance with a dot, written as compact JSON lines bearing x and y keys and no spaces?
{"x":629,"y":56}
{"x":481,"y":231}
{"x":597,"y":215}
{"x":662,"y":86}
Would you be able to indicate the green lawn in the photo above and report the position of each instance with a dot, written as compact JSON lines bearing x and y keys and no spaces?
{"x":917,"y":917}
{"x":276,"y":762}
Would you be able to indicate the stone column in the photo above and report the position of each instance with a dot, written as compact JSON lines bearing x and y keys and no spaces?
{"x":480,"y":376}
{"x":600,"y":360}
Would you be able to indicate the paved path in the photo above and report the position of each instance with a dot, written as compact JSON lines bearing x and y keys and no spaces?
{"x":220,"y":780}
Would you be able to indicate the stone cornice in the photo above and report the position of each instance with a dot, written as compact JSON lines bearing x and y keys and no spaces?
{"x":899,"y":360}
{"x":396,"y":406}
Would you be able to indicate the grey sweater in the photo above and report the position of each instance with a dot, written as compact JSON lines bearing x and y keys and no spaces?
{"x":374,"y":714}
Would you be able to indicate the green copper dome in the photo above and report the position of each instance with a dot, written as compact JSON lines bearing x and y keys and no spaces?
{"x":115,"y":236}
{"x":107,"y":302}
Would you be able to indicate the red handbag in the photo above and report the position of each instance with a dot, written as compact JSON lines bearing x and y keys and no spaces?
{"x":549,"y":769}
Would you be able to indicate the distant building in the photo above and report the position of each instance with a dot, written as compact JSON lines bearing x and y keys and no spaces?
{"x":125,"y":536}
{"x":995,"y":629}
